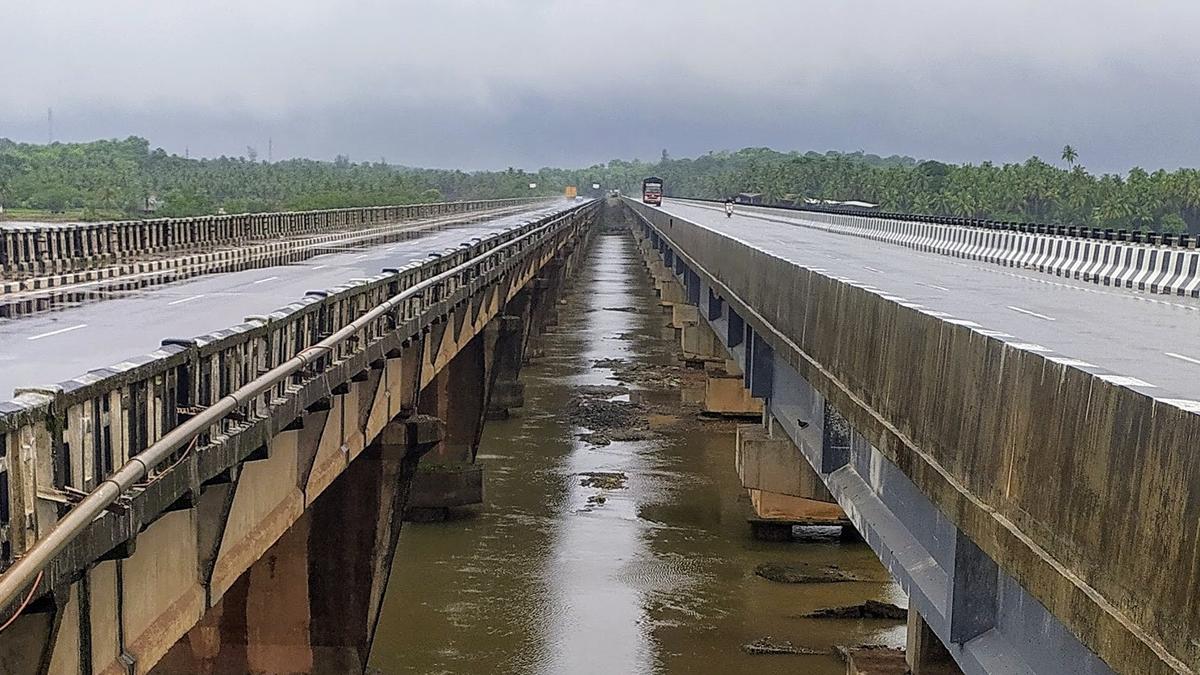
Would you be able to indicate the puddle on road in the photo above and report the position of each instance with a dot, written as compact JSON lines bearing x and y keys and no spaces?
{"x":626,"y":553}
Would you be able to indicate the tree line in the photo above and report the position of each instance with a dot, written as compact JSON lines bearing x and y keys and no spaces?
{"x":1031,"y":191}
{"x":121,"y":178}
{"x":127,"y":179}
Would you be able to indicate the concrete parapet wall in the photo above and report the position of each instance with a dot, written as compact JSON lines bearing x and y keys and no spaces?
{"x":58,"y":249}
{"x":1080,"y":489}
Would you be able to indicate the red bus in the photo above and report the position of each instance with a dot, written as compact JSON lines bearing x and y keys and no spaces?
{"x":652,"y":191}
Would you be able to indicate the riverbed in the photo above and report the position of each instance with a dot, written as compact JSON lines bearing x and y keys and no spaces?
{"x":619,"y":550}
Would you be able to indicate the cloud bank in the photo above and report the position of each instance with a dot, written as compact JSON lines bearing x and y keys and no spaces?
{"x":496,"y":83}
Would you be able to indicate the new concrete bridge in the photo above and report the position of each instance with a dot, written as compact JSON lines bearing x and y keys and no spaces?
{"x":1016,"y":446}
{"x":1007,"y":421}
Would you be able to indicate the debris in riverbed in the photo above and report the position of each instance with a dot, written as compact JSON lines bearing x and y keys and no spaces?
{"x":605,"y":480}
{"x":596,"y":500}
{"x":601,"y":390}
{"x":598,"y":414}
{"x":605,"y":438}
{"x":803,"y":573}
{"x":630,"y":310}
{"x":768,"y":645}
{"x":871,"y":609}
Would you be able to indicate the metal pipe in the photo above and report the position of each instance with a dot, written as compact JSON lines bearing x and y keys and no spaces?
{"x":43,"y":551}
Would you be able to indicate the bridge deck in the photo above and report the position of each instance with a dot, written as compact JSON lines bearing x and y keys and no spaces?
{"x":53,"y":347}
{"x":1127,"y":334}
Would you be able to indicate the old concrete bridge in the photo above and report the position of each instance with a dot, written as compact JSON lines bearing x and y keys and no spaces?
{"x":1006,"y":420}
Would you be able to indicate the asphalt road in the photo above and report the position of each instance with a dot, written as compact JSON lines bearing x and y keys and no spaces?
{"x":57,"y":346}
{"x":1150,"y":343}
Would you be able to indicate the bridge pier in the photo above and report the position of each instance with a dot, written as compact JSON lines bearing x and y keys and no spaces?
{"x":311,"y":603}
{"x":507,"y":390}
{"x":448,"y":477}
{"x":924,"y":652}
{"x":783,"y":487}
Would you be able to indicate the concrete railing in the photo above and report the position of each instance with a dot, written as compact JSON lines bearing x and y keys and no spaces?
{"x":1149,"y":267}
{"x":37,"y":250}
{"x":60,"y":442}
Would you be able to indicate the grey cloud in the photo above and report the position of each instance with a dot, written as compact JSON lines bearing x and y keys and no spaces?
{"x":484,"y":84}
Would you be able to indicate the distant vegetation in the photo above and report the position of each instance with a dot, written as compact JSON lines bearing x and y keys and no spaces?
{"x":122,"y":179}
{"x":111,"y":179}
{"x":1033,"y":191}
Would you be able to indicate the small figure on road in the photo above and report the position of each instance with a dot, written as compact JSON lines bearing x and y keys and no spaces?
{"x":728,"y":208}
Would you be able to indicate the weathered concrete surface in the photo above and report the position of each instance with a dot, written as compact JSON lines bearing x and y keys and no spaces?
{"x":1054,"y":473}
{"x":310,"y":604}
{"x":125,"y":592}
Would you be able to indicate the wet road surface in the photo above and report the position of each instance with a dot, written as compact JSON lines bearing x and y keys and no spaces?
{"x":53,"y":347}
{"x":1153,"y":342}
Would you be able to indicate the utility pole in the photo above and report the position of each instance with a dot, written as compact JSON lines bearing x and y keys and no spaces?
{"x":49,"y":126}
{"x":270,"y":150}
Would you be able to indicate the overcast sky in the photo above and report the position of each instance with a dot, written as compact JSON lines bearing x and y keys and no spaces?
{"x":528,"y":83}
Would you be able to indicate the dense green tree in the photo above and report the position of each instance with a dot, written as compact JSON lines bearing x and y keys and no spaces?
{"x":118,"y":178}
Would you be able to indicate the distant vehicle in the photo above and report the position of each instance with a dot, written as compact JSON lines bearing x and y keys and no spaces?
{"x":652,"y":191}
{"x":749,"y":198}
{"x":571,"y":192}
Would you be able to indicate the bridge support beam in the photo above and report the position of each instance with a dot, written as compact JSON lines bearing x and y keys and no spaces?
{"x":311,"y":603}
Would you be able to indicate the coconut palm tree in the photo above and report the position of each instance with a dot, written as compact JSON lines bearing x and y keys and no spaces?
{"x":1069,"y":155}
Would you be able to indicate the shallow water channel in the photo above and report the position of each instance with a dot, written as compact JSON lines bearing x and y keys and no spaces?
{"x":646,"y":566}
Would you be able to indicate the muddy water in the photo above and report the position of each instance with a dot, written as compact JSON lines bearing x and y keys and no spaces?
{"x":647,"y":568}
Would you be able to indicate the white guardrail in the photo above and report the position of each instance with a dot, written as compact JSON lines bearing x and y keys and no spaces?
{"x":1145,"y":267}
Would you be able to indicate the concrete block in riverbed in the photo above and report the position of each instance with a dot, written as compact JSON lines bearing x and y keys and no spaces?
{"x":699,"y":343}
{"x":670,"y":292}
{"x":683,"y":315}
{"x":728,"y":396}
{"x":441,"y":486}
{"x":796,"y":510}
{"x":775,"y":464}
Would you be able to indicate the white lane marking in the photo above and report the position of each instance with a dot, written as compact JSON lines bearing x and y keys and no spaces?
{"x":874,"y":270}
{"x":360,"y":257}
{"x":60,"y":331}
{"x":940,"y":288}
{"x":1031,"y":313}
{"x":320,"y":267}
{"x":180,"y":302}
{"x":1181,"y":357}
{"x":263,"y":281}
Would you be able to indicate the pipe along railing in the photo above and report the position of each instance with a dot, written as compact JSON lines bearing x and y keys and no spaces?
{"x":26,"y":569}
